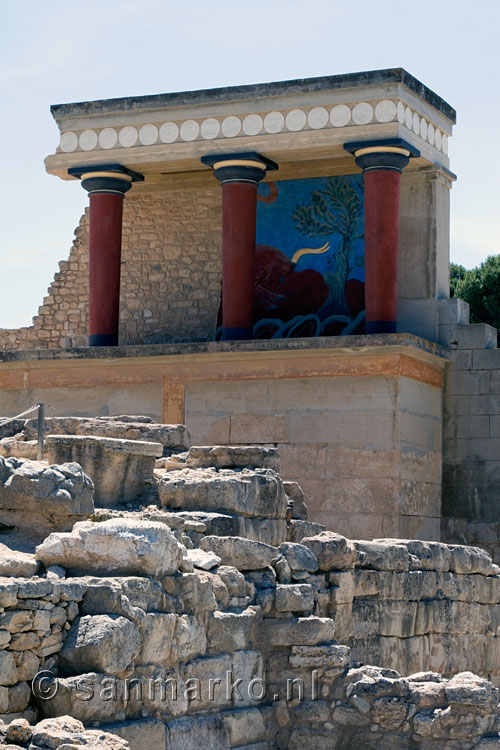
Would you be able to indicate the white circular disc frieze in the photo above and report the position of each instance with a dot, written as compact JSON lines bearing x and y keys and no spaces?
{"x":340,"y":115}
{"x":231,"y":126}
{"x":401,"y":112}
{"x":430,"y":134}
{"x":408,"y":118}
{"x":169,"y":132}
{"x":69,"y":141}
{"x":274,"y":122}
{"x":416,"y":123}
{"x":318,"y":117}
{"x":190,"y":130}
{"x":437,"y":139}
{"x":88,"y":140}
{"x":252,"y":124}
{"x":423,"y":129}
{"x":128,"y":136}
{"x":296,"y":119}
{"x":385,"y":111}
{"x":210,"y":128}
{"x":362,"y":113}
{"x":108,"y":138}
{"x":148,"y":135}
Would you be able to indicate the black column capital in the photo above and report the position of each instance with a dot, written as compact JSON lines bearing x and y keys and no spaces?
{"x":249,"y":166}
{"x":106,"y":178}
{"x":392,"y":153}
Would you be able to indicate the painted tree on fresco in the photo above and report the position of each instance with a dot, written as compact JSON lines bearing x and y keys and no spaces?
{"x":336,"y":209}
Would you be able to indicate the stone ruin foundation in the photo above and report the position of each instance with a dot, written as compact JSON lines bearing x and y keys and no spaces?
{"x":158,"y":595}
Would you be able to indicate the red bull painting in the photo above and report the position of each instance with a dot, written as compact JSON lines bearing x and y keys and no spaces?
{"x":309,"y":270}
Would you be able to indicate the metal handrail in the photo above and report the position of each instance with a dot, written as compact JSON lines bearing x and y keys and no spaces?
{"x":40,"y":408}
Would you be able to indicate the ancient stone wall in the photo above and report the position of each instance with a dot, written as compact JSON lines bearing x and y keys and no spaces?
{"x":471,"y":440}
{"x":170,"y":276}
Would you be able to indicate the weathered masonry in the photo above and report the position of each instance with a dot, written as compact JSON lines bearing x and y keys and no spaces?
{"x":270,"y":264}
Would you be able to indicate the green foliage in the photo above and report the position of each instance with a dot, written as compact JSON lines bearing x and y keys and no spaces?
{"x":480,"y":287}
{"x":335,"y":209}
{"x":457,"y":273}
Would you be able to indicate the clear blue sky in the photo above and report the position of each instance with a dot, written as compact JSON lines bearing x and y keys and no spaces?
{"x":61,"y":51}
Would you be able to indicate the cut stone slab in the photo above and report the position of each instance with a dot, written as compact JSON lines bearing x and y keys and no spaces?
{"x":242,"y":554}
{"x":173,"y":437}
{"x":67,"y":733}
{"x":198,"y":732}
{"x":299,"y":507}
{"x":119,"y":546}
{"x":298,"y":631}
{"x":296,"y":597}
{"x":331,"y":656}
{"x":234,"y":456}
{"x":467,"y":560}
{"x":382,"y":555}
{"x":298,"y":530}
{"x":203,"y":560}
{"x":11,"y":447}
{"x":122,"y":470}
{"x":14,"y":563}
{"x":41,"y":498}
{"x":428,"y":555}
{"x":258,"y":493}
{"x":140,"y":735}
{"x":299,"y":557}
{"x":332,"y":551}
{"x":102,"y":643}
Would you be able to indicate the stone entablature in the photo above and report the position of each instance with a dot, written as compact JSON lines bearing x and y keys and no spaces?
{"x":309,"y":116}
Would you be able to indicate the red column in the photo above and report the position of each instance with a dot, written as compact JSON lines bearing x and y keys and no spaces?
{"x":239,"y":214}
{"x":382,"y":163}
{"x":381,"y":250}
{"x":105,"y":247}
{"x":106,"y":186}
{"x":239,"y":175}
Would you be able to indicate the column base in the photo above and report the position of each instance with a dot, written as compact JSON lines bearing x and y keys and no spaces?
{"x":236,"y":334}
{"x":103,"y":339}
{"x":381,"y":326}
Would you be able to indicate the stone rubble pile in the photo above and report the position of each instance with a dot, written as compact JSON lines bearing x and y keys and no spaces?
{"x":218,"y":617}
{"x":65,"y":733}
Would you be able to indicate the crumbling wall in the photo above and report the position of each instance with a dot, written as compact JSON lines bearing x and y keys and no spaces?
{"x":170,"y":276}
{"x":169,"y":630}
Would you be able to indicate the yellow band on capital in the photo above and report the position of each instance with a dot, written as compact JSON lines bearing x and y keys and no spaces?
{"x":114,"y":175}
{"x":239,"y":163}
{"x":382,"y":150}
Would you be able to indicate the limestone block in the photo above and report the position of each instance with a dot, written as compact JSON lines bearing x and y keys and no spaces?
{"x":203,"y":560}
{"x":19,"y":732}
{"x":333,"y":551}
{"x":342,"y":586}
{"x":398,"y":619}
{"x":247,"y":492}
{"x":12,"y":447}
{"x":312,"y":738}
{"x":298,"y":631}
{"x":219,"y":589}
{"x":242,"y":554}
{"x":428,"y":555}
{"x":231,"y":631}
{"x":234,"y":580}
{"x":19,"y":697}
{"x":156,"y":636}
{"x":8,"y":669}
{"x":195,"y":732}
{"x":299,"y":507}
{"x":196,"y":592}
{"x":43,"y":498}
{"x":299,"y":557}
{"x":171,"y":437}
{"x":299,"y":529}
{"x":14,"y":563}
{"x":244,"y":726}
{"x":121,"y":470}
{"x":234,"y":456}
{"x":66,"y":732}
{"x":466,"y":560}
{"x":105,"y":643}
{"x":317,"y":657}
{"x":190,"y":639}
{"x":382,"y":555}
{"x":248,"y":668}
{"x":470,"y":690}
{"x":27,"y":665}
{"x":118,"y":546}
{"x":297,"y":597}
{"x":140,"y":735}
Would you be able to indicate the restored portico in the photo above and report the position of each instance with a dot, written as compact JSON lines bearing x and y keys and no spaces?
{"x":268,"y":264}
